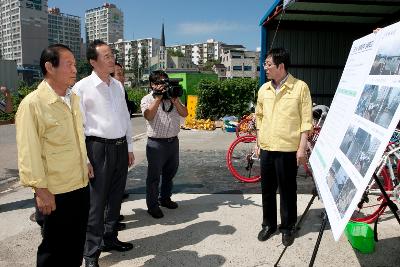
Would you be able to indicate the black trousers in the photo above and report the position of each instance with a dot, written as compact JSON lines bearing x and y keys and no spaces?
{"x":110,"y":165}
{"x":279,"y":170}
{"x":163,"y":161}
{"x":64,"y":230}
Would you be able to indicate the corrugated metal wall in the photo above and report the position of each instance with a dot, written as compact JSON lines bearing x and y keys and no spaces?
{"x":318,"y":57}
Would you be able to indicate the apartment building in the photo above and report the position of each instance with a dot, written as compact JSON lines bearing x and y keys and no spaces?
{"x":200,"y":52}
{"x":240,"y":63}
{"x":105,"y":23}
{"x":65,"y":29}
{"x":143,"y":49}
{"x":24,"y":31}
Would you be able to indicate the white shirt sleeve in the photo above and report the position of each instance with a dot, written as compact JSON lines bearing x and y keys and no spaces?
{"x":77,"y":90}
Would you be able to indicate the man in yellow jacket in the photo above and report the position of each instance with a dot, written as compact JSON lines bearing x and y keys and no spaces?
{"x":52,"y":159}
{"x":283,"y":116}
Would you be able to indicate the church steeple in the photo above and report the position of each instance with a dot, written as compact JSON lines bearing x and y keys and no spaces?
{"x":162,"y":36}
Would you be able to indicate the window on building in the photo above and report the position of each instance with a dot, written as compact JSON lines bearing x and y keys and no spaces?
{"x":247,"y":68}
{"x":236,"y":56}
{"x":236,"y":67}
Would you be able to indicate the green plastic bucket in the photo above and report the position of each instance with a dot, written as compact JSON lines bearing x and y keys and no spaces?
{"x":360,"y":236}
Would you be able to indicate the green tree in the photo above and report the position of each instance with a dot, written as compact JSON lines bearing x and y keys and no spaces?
{"x":227,"y":97}
{"x":118,"y":56}
{"x":174,"y":53}
{"x":144,"y":67}
{"x":210,"y":63}
{"x":83,"y":68}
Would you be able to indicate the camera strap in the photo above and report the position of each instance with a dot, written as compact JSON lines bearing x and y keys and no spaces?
{"x":171,"y":106}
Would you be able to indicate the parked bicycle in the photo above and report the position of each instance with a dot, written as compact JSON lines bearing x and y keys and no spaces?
{"x":246,"y":126}
{"x":242,"y":159}
{"x":373,"y":204}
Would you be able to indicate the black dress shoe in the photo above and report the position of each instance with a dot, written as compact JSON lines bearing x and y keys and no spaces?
{"x":121,"y":217}
{"x":266,"y":232}
{"x":168,"y":203}
{"x":120,"y":226}
{"x":91,"y":263}
{"x":125,"y":196}
{"x":156,"y":213}
{"x":117,"y":245}
{"x":288,"y":238}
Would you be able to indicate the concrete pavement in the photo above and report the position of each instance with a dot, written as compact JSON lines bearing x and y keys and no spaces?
{"x":216,"y":223}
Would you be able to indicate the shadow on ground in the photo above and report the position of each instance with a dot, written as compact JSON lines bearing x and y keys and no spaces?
{"x":164,"y":245}
{"x":205,"y":172}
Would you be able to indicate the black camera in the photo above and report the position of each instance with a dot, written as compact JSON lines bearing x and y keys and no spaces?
{"x":172,"y":88}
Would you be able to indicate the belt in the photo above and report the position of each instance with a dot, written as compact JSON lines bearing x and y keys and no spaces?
{"x":168,"y":139}
{"x":117,"y":141}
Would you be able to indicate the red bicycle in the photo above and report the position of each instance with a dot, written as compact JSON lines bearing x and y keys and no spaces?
{"x":373,"y":203}
{"x":246,"y":126}
{"x":242,"y":159}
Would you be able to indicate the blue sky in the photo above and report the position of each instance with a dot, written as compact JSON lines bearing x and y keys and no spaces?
{"x":186,"y":21}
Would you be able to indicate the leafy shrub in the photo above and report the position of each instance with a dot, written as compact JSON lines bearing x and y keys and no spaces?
{"x":23,"y":91}
{"x":136,"y":95}
{"x":228,"y":97}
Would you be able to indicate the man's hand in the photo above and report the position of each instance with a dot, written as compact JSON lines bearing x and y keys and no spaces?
{"x":90,"y":171}
{"x":256,"y":150}
{"x":182,"y":110}
{"x":160,"y":88}
{"x":131,"y":159}
{"x":45,"y":200}
{"x":301,"y":156}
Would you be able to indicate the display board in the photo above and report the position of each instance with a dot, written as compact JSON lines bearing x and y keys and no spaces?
{"x":362,"y":117}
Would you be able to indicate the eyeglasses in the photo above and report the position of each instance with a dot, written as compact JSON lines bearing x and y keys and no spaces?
{"x":268,"y":65}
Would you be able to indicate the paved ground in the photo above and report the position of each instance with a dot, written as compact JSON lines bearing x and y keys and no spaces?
{"x":216,"y":224}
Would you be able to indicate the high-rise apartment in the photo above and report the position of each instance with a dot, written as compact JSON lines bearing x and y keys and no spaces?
{"x":105,"y":23}
{"x":143,"y":49}
{"x":65,"y":29}
{"x":24,"y":30}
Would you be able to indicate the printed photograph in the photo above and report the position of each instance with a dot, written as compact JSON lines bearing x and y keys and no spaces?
{"x":387,"y":60}
{"x":360,"y":148}
{"x":341,"y":187}
{"x":345,"y":197}
{"x":378,"y":104}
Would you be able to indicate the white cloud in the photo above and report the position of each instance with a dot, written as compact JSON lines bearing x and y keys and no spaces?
{"x":193,"y":28}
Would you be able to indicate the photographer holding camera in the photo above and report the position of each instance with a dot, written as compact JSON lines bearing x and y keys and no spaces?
{"x":162,"y":110}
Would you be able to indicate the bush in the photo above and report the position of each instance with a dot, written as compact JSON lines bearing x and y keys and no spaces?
{"x":228,"y":97}
{"x":23,"y":91}
{"x":136,"y":95}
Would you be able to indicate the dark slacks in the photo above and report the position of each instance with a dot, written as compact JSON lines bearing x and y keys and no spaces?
{"x":163,"y":161}
{"x":110,"y":166}
{"x":279,"y":170}
{"x":64,"y":230}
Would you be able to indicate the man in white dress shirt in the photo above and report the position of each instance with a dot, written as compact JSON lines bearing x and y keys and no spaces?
{"x":110,"y":151}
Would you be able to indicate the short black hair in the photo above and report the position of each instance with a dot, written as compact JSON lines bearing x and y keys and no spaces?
{"x":91,"y":52}
{"x":52,"y":54}
{"x":157,"y":75}
{"x":280,"y":55}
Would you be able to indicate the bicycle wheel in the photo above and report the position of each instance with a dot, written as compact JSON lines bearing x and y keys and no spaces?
{"x":241,"y":159}
{"x":372,"y":203}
